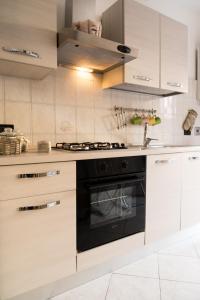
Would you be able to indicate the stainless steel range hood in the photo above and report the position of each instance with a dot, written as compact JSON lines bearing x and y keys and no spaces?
{"x":80,"y":49}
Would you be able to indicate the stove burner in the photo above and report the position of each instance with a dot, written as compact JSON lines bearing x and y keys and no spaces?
{"x":89,"y":146}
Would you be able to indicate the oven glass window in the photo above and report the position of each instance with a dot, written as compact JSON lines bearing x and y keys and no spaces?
{"x":117,"y":202}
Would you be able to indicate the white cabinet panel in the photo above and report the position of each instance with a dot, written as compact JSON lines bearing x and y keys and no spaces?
{"x":174,"y":55}
{"x":163,"y":196}
{"x":190,"y":209}
{"x":141,"y":30}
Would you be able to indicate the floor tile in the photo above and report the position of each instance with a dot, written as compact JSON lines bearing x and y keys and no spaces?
{"x":183,"y":248}
{"x":196,"y":242}
{"x":94,"y":290}
{"x":146,"y":267}
{"x":123,"y":287}
{"x":179,"y":268}
{"x":173,"y":290}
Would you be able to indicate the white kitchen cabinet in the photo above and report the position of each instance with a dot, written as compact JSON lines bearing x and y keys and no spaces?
{"x":37,"y":246}
{"x":28,"y":38}
{"x":135,"y":25}
{"x":190,"y":208}
{"x":174,"y":55}
{"x":163,"y":196}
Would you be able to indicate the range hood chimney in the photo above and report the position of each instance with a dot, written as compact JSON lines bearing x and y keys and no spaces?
{"x":82,"y":50}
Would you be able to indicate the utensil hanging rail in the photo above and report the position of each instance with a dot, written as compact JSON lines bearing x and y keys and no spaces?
{"x":136,"y":110}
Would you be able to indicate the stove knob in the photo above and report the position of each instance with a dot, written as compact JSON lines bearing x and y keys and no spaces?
{"x":124,"y":164}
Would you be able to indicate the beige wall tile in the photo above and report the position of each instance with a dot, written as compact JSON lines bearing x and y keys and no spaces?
{"x":85,"y":137}
{"x":17,"y":89}
{"x":43,"y":117}
{"x":85,"y":121}
{"x":43,"y":91}
{"x":65,"y":86}
{"x":103,"y":121}
{"x":66,"y":138}
{"x":1,"y":112}
{"x":19,"y":114}
{"x":65,"y":119}
{"x":85,"y":91}
{"x":1,"y":88}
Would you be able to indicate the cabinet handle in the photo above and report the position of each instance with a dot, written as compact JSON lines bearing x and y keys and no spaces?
{"x":21,"y":52}
{"x":38,"y":207}
{"x":194,"y":158}
{"x":37,"y":175}
{"x":143,"y":78}
{"x":175,"y":84}
{"x":163,"y":161}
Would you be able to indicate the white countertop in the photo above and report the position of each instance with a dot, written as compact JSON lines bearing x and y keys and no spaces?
{"x":60,"y":155}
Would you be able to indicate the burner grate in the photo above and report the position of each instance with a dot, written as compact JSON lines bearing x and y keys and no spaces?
{"x":87,"y":146}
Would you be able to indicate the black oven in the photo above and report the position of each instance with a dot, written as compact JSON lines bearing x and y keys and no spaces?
{"x":110,"y":200}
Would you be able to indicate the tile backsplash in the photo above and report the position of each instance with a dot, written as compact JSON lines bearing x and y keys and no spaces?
{"x":71,"y":106}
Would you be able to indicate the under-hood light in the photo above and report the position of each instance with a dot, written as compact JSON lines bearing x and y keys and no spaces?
{"x":86,"y":70}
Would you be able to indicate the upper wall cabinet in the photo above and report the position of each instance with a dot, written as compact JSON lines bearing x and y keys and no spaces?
{"x":174,"y":60}
{"x":133,"y":24}
{"x":161,"y":67}
{"x":28,"y":46}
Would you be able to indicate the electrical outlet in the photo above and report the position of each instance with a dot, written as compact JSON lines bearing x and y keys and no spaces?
{"x":196,"y":130}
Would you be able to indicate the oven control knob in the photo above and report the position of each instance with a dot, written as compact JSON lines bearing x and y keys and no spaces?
{"x":124,"y":164}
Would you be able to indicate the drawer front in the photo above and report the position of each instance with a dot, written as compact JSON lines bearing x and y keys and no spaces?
{"x":37,"y":246}
{"x":28,"y":45}
{"x":36,"y":179}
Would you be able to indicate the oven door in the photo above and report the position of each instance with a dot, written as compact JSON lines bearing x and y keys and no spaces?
{"x":109,"y":209}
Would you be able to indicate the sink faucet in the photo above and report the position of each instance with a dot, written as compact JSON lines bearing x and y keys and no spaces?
{"x":147,"y":140}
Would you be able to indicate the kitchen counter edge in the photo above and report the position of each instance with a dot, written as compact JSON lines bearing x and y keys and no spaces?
{"x":59,"y":156}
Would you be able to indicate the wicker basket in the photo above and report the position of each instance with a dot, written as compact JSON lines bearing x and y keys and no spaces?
{"x":9,"y":145}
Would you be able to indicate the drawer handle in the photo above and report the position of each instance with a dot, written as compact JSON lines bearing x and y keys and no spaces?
{"x":38,"y":207}
{"x":21,"y":52}
{"x":163,"y":161}
{"x":143,"y":78}
{"x":175,"y":84}
{"x":194,"y":158}
{"x":37,"y":175}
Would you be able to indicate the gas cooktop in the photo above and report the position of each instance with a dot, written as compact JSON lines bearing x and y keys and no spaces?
{"x":89,"y":146}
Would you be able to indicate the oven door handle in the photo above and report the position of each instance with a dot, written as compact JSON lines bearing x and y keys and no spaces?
{"x":114,"y":182}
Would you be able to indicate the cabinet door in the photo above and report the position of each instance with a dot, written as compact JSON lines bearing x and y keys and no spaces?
{"x":190,"y":208}
{"x":37,"y":246}
{"x":174,"y":55}
{"x":40,"y":45}
{"x":29,"y":13}
{"x":163,"y":196}
{"x":28,"y":42}
{"x":141,"y":30}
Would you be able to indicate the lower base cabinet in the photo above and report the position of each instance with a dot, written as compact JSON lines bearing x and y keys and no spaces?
{"x":190,"y":206}
{"x":163,"y":200}
{"x":38,"y":245}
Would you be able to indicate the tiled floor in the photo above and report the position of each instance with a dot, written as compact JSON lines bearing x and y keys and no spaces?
{"x":170,"y":274}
